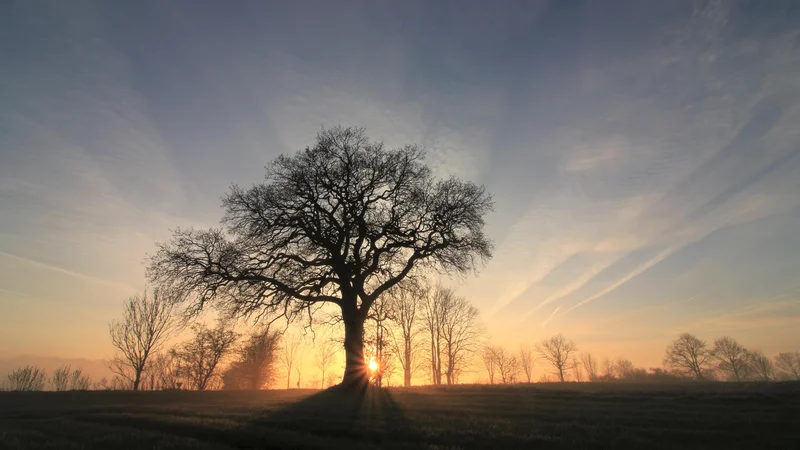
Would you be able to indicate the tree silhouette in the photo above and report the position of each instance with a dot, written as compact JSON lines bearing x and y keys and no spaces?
{"x":788,"y":364}
{"x":489,"y":361}
{"x":508,"y":365}
{"x":557,"y":351}
{"x":590,"y":366}
{"x":291,"y":350}
{"x":146,"y":322}
{"x":200,"y":356}
{"x":255,"y":367}
{"x":28,"y":378}
{"x":381,"y":316}
{"x":731,"y":358}
{"x":60,"y":378}
{"x":406,"y":301}
{"x":454,"y":332}
{"x":165,"y":371}
{"x":341,"y":222}
{"x":526,"y":360}
{"x":688,"y":356}
{"x":325,"y":359}
{"x":762,"y":366}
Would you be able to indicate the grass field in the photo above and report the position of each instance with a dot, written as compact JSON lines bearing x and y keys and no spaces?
{"x":541,"y":416}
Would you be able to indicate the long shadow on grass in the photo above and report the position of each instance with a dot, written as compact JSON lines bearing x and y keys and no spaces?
{"x":369,"y":415}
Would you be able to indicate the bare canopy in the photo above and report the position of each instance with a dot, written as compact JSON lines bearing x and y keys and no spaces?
{"x":688,"y":356}
{"x":557,"y":351}
{"x":146,"y":322}
{"x":341,"y":222}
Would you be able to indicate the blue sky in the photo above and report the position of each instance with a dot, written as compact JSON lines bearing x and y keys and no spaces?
{"x":645,"y":158}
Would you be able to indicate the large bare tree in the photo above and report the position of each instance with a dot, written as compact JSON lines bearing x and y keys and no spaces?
{"x":732,"y":358}
{"x":557,"y":351}
{"x":688,"y":356}
{"x":146,"y":323}
{"x":341,"y":222}
{"x":200,"y":356}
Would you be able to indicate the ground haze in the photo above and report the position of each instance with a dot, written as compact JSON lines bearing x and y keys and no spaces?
{"x":543,"y":416}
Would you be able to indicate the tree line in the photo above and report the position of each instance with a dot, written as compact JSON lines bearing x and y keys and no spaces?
{"x":427,"y":334}
{"x":349,"y":227}
{"x":686,"y":358}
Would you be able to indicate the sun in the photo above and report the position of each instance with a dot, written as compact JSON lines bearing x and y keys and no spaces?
{"x":373,"y":365}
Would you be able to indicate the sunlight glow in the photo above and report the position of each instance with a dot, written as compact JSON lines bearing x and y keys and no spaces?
{"x":373,"y":365}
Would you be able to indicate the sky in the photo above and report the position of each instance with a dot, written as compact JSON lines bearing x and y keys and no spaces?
{"x":644,"y":156}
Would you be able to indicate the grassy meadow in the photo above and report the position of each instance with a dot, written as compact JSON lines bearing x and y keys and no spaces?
{"x":540,"y":416}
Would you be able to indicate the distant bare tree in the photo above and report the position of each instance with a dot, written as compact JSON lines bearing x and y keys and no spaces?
{"x":507,"y":365}
{"x":608,"y":369}
{"x":577,"y":371}
{"x":557,"y":351}
{"x":590,"y":366}
{"x":526,"y":360}
{"x":788,"y":365}
{"x":379,"y":338}
{"x":624,"y":369}
{"x":120,"y":384}
{"x":432,"y":319}
{"x":255,"y":367}
{"x":164,"y":369}
{"x":688,"y":356}
{"x":732,"y":359}
{"x":28,"y":378}
{"x":326,"y":358}
{"x":407,"y":300}
{"x":146,"y":322}
{"x":78,"y":381}
{"x":101,"y":384}
{"x":291,"y":351}
{"x":762,"y":366}
{"x":460,"y":333}
{"x":489,"y":361}
{"x":200,"y":356}
{"x":60,"y":378}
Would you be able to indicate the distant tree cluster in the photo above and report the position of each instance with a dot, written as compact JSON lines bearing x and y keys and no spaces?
{"x":727,"y":360}
{"x":34,"y":378}
{"x":686,"y":358}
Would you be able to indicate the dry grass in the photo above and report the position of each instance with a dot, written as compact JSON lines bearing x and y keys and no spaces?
{"x":532,"y":416}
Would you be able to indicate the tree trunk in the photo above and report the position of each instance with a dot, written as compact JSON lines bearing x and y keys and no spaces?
{"x":355,"y":370}
{"x":407,"y":368}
